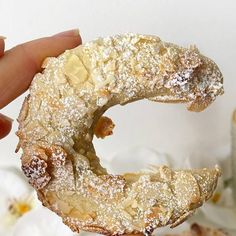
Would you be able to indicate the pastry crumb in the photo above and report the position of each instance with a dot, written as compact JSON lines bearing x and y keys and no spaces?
{"x":104,"y":127}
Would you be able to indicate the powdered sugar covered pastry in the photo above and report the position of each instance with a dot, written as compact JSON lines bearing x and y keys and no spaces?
{"x":64,"y":109}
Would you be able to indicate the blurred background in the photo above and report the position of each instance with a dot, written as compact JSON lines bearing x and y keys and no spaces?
{"x":211,"y":25}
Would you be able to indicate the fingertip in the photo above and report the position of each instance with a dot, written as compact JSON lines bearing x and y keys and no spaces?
{"x":71,"y":33}
{"x":69,"y":42}
{"x":5,"y":126}
{"x":75,"y":39}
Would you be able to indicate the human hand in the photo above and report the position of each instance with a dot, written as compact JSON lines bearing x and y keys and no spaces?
{"x":19,"y":65}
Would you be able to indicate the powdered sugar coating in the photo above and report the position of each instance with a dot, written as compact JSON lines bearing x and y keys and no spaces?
{"x":59,"y":117}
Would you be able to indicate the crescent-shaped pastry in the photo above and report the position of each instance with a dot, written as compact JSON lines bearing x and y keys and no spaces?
{"x":64,"y":109}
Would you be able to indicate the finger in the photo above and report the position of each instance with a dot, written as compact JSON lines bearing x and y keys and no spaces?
{"x":73,"y":32}
{"x":5,"y":125}
{"x":2,"y":46}
{"x":20,"y":64}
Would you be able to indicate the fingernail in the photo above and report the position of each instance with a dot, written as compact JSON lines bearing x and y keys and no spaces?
{"x":74,"y":32}
{"x":2,"y":37}
{"x":3,"y":117}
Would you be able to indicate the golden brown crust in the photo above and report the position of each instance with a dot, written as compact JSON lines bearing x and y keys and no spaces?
{"x":57,"y":124}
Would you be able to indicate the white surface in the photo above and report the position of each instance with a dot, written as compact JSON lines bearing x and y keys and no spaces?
{"x":211,"y":25}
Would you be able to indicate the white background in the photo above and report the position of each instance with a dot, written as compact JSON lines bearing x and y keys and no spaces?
{"x":210,"y":24}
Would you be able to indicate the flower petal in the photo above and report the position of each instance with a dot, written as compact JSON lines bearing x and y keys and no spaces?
{"x":136,"y":159}
{"x":14,"y":183}
{"x":14,"y":187}
{"x":210,"y":157}
{"x":222,"y":216}
{"x":41,"y":222}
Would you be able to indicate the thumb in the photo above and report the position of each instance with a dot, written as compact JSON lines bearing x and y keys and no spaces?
{"x":5,"y":125}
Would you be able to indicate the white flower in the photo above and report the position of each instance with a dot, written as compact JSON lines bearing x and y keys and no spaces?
{"x":220,"y":210}
{"x":224,"y":217}
{"x":41,"y":222}
{"x":16,"y":198}
{"x":21,"y":213}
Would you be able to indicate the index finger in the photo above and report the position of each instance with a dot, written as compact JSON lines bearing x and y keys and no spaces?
{"x":20,"y":64}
